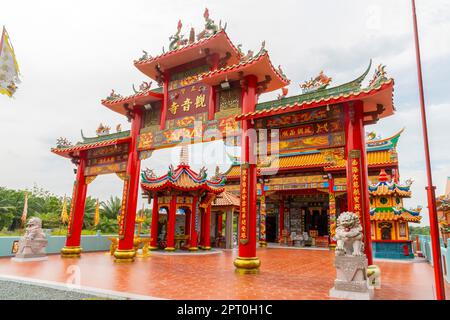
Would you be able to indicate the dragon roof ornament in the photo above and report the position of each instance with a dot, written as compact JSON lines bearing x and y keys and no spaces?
{"x":318,"y":83}
{"x":379,"y":76}
{"x":114,"y":96}
{"x":102,"y":130}
{"x":63,"y":143}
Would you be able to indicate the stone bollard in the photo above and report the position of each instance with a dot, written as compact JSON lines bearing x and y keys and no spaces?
{"x":374,"y":277}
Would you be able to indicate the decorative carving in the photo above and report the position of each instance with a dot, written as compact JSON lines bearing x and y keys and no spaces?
{"x":202,"y":174}
{"x":192,"y":36}
{"x":210,"y":27}
{"x":34,"y":242}
{"x":102,"y":130}
{"x":318,"y":83}
{"x":114,"y":96}
{"x":160,"y":76}
{"x":176,"y":41}
{"x":145,"y":86}
{"x":284,"y":92}
{"x":262,"y":85}
{"x":63,"y":143}
{"x":379,"y":76}
{"x":349,"y":235}
{"x":248,"y":56}
{"x":145,"y":56}
{"x":280,"y":71}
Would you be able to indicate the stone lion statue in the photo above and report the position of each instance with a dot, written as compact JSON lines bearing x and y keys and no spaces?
{"x":349,"y":235}
{"x":33,"y":243}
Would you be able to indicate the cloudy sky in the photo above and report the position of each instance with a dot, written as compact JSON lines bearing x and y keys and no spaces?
{"x":72,"y":53}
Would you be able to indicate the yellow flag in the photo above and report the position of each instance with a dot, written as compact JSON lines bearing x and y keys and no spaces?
{"x":9,"y":68}
{"x":97,"y":214}
{"x":64,"y":215}
{"x":23,"y":219}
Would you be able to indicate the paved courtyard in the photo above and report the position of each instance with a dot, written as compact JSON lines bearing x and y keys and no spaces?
{"x":284,"y":274}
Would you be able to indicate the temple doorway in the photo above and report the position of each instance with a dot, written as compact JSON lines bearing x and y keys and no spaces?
{"x":271,"y":227}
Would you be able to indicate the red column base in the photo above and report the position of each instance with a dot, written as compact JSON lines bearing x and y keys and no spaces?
{"x":247,"y":265}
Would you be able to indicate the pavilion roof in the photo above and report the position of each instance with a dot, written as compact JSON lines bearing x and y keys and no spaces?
{"x":217,"y":43}
{"x":226,"y":199}
{"x":182,"y":178}
{"x":377,"y":97}
{"x":384,"y":187}
{"x":118,"y":103}
{"x":394,"y":214}
{"x":88,"y":143}
{"x":259,"y":65}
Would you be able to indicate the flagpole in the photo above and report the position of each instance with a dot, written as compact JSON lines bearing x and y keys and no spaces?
{"x":434,"y":228}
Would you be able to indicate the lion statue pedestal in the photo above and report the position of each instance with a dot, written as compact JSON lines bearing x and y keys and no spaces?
{"x":32,"y":245}
{"x":350,"y":262}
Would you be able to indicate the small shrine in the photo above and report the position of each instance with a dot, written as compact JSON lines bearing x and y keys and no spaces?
{"x":443,"y":212}
{"x":182,"y":198}
{"x":389,"y":219}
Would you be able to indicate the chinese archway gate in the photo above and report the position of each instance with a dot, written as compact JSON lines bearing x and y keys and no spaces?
{"x":209,"y":90}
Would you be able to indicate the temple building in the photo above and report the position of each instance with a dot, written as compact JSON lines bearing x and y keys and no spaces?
{"x":300,"y":190}
{"x":303,"y":157}
{"x":389,"y":219}
{"x":443,"y":211}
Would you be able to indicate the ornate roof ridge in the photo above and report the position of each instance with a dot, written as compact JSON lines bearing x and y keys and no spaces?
{"x":105,"y":137}
{"x":261,"y":54}
{"x":346,"y":87}
{"x":330,"y":99}
{"x":133,"y":96}
{"x":175,"y":174}
{"x":188,"y":46}
{"x":386,"y":143}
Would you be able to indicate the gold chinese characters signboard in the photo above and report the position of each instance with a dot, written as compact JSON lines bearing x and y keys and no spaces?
{"x":356,"y":181}
{"x":243,"y":225}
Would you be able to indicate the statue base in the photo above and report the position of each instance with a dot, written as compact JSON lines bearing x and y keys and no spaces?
{"x":350,"y":295}
{"x":351,"y":278}
{"x":29,"y":259}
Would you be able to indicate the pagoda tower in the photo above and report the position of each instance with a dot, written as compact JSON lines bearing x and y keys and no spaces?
{"x":389,"y":219}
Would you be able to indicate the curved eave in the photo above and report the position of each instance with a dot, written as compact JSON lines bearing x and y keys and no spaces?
{"x":140,"y":98}
{"x":260,"y":66}
{"x":75,"y":150}
{"x":372,"y":97}
{"x":218,"y":43}
{"x":384,"y":143}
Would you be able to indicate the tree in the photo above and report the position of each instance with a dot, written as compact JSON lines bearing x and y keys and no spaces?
{"x":111,"y":207}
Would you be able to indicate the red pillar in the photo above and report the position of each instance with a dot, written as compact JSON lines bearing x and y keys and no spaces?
{"x":214,"y":62}
{"x":125,"y":251}
{"x":162,"y":121}
{"x":357,"y":172}
{"x":247,"y":262}
{"x":281,"y":219}
{"x":171,"y":224}
{"x":207,"y":229}
{"x":155,"y":218}
{"x":219,"y":224}
{"x":75,"y":224}
{"x":187,"y":223}
{"x":193,"y":235}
